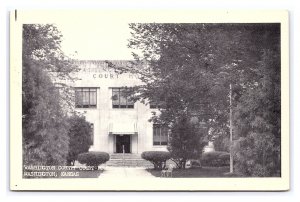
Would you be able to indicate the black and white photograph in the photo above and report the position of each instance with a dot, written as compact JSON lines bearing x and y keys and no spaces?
{"x":124,"y":97}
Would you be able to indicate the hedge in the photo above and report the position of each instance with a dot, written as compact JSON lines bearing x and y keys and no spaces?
{"x":157,"y":158}
{"x":215,"y":159}
{"x":93,"y":158}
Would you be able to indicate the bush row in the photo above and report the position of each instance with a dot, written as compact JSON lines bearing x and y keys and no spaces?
{"x":215,"y":159}
{"x":211,"y":159}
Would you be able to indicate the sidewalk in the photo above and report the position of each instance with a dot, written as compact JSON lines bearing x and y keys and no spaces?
{"x":125,"y":172}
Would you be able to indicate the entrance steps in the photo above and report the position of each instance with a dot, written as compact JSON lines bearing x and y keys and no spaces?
{"x":126,"y":156}
{"x":130,"y":160}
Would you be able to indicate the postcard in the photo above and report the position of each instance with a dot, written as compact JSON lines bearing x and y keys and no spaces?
{"x":149,"y":100}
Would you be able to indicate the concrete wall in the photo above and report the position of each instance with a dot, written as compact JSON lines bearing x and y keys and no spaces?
{"x":96,"y":74}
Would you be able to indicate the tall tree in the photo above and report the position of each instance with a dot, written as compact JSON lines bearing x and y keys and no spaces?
{"x":45,"y":138}
{"x":190,"y":68}
{"x":257,"y":122}
{"x":180,"y":71}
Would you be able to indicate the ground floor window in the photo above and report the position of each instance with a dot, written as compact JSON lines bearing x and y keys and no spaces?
{"x":160,"y":135}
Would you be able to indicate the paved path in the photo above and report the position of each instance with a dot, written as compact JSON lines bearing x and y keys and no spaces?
{"x":125,"y":172}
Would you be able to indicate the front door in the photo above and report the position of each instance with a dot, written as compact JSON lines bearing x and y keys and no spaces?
{"x":123,"y":140}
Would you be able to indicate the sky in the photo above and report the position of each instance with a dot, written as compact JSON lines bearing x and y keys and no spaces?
{"x":92,"y":40}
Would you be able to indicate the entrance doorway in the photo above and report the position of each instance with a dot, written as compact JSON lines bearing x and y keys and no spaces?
{"x":123,"y":140}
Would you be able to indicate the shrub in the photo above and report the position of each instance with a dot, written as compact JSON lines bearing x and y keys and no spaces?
{"x":93,"y":158}
{"x":185,"y":141}
{"x":257,"y":155}
{"x":80,"y":133}
{"x":157,"y":158}
{"x":215,"y":159}
{"x":195,"y":163}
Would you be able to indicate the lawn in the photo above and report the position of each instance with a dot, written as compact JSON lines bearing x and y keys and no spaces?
{"x":196,"y":172}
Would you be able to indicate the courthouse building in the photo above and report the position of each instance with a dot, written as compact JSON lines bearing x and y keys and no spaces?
{"x":118,"y":123}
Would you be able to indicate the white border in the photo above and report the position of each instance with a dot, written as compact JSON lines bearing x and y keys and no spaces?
{"x":195,"y":184}
{"x":293,"y":195}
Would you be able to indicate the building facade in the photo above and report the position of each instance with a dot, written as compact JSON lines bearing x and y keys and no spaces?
{"x":118,"y":123}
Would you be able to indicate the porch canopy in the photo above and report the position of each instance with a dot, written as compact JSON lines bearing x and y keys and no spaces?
{"x":123,"y":128}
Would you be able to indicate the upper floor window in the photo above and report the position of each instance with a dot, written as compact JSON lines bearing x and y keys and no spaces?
{"x":160,"y":135}
{"x":86,"y":97}
{"x":121,"y":99}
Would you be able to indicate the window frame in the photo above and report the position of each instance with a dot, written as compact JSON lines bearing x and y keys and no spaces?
{"x":161,"y":128}
{"x":82,"y":90}
{"x":118,"y":90}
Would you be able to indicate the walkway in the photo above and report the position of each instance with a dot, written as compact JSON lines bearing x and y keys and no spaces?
{"x":125,"y":172}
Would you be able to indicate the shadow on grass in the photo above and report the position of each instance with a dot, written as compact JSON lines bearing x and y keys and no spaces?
{"x":197,"y":172}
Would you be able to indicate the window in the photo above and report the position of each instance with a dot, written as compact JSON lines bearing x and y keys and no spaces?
{"x":120,"y":99}
{"x":160,"y":135}
{"x":86,"y":97}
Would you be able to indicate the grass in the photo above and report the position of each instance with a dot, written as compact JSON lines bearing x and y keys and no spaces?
{"x":196,"y":172}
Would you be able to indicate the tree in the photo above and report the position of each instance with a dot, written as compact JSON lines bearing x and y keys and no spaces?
{"x":258,"y":122}
{"x":183,"y":62}
{"x":80,"y":133}
{"x":44,"y":121}
{"x":185,"y":141}
{"x":45,"y":139}
{"x":191,"y":66}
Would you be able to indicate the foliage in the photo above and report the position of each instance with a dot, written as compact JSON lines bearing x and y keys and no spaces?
{"x":184,"y":142}
{"x":257,"y":155}
{"x":204,"y":172}
{"x":222,"y":142}
{"x":157,"y":158}
{"x":41,"y":43}
{"x":93,"y":158}
{"x":190,"y":66}
{"x":257,"y":116}
{"x":45,"y":128}
{"x":44,"y":122}
{"x":79,"y":137}
{"x":258,"y":120}
{"x":193,"y":163}
{"x":215,"y":159}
